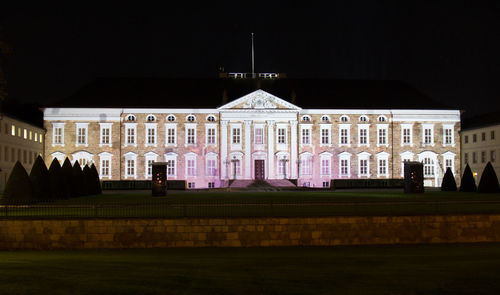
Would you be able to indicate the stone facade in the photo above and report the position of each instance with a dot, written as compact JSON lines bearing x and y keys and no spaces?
{"x":254,"y":131}
{"x":481,"y":145}
{"x":247,"y":232}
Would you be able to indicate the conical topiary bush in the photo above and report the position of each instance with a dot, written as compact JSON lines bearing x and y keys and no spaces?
{"x":87,"y":188}
{"x":96,"y":181}
{"x":449,"y":184}
{"x":468,"y":184}
{"x":489,"y":180}
{"x":40,"y":180}
{"x":18,"y":189}
{"x":77,"y":182}
{"x":56,"y":180}
{"x":67,"y":176}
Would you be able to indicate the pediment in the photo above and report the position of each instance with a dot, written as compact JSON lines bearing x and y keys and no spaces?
{"x":259,"y":99}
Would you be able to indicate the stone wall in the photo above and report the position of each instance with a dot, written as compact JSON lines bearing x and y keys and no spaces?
{"x":246,"y":232}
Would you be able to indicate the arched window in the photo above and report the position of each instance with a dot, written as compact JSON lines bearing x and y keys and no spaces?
{"x":363,"y":119}
{"x":211,"y":118}
{"x":325,"y":118}
{"x":130,"y":118}
{"x":150,"y":118}
{"x":170,"y":118}
{"x":382,"y":119}
{"x":428,"y":167}
{"x":306,"y":118}
{"x":190,"y":118}
{"x":344,"y":118}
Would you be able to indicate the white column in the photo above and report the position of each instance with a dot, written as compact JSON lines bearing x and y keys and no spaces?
{"x":270,"y":149}
{"x":248,"y":149}
{"x":223,"y":149}
{"x":293,"y":149}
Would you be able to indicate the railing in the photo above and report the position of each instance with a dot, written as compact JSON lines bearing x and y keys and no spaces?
{"x":239,"y":208}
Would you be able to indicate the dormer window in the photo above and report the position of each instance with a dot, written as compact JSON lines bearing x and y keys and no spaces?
{"x":190,"y":118}
{"x":382,"y":119}
{"x":363,"y":119}
{"x":170,"y":118}
{"x":150,"y":118}
{"x":131,"y":118}
{"x":344,"y":119}
{"x":306,"y":119}
{"x":211,"y":118}
{"x":325,"y":118}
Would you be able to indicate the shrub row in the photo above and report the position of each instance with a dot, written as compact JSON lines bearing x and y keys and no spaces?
{"x":487,"y":184}
{"x":50,"y":184}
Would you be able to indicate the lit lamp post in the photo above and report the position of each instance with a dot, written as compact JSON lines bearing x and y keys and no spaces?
{"x":234,"y":160}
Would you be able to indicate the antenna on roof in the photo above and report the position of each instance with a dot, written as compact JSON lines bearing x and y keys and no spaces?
{"x":253,"y":60}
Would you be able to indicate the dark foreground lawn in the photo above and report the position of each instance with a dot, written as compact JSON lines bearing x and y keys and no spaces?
{"x":415,"y":269}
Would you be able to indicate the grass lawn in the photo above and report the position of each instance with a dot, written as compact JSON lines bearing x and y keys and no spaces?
{"x":395,"y":269}
{"x":253,"y":204}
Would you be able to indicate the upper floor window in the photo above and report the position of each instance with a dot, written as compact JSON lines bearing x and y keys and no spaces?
{"x":259,"y":135}
{"x":151,"y":134}
{"x":190,"y":118}
{"x":466,"y":139}
{"x":236,"y":136}
{"x":325,"y":136}
{"x":170,"y":118}
{"x":211,"y":118}
{"x":130,"y":134}
{"x":428,"y":134}
{"x":363,"y":119}
{"x":150,"y":118}
{"x":382,"y":119}
{"x":190,"y":135}
{"x":306,"y":136}
{"x":105,"y":134}
{"x":130,"y":118}
{"x":344,"y":118}
{"x":325,"y":118}
{"x":281,"y":135}
{"x":448,"y":136}
{"x":81,"y":133}
{"x":492,"y":134}
{"x":306,"y":118}
{"x":57,"y":133}
{"x":474,"y":137}
{"x":211,"y":137}
{"x":483,"y":136}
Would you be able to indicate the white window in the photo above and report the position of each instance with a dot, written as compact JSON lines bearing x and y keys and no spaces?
{"x":305,"y":134}
{"x":405,"y":157}
{"x":306,"y":118}
{"x":235,"y":165}
{"x":448,"y":138}
{"x":81,"y":134}
{"x":171,"y":160}
{"x":259,"y":135}
{"x":236,"y":136}
{"x":105,"y":164}
{"x":345,"y":164}
{"x":382,"y":135}
{"x":382,"y":119}
{"x":211,"y":164}
{"x":190,"y":134}
{"x":171,"y":118}
{"x":130,"y":165}
{"x":382,"y":164}
{"x":170,"y":134}
{"x":282,"y":160}
{"x":150,"y":158}
{"x":344,"y":119}
{"x":449,"y":161}
{"x":305,"y":164}
{"x":325,"y":118}
{"x":150,"y":134}
{"x":325,"y":134}
{"x":406,"y":134}
{"x":281,"y":135}
{"x":428,"y":167}
{"x":344,"y":134}
{"x":326,"y":164}
{"x":211,"y":134}
{"x":150,"y":118}
{"x":105,"y":134}
{"x":130,"y":134}
{"x":191,"y":167}
{"x":57,"y":134}
{"x":211,"y":118}
{"x":364,"y":164}
{"x":363,"y":118}
{"x":428,"y":134}
{"x":130,"y":118}
{"x":56,"y":155}
{"x":190,"y":118}
{"x":363,"y":135}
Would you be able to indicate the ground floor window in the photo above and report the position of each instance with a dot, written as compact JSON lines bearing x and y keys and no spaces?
{"x":428,"y":167}
{"x":191,"y":185}
{"x":326,"y":184}
{"x":211,"y":185}
{"x":130,"y":168}
{"x":105,"y":168}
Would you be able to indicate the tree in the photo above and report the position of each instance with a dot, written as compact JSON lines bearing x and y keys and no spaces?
{"x":468,"y":183}
{"x":87,"y":188}
{"x":77,"y":182}
{"x":489,"y":180}
{"x":67,"y":176}
{"x":96,"y":182}
{"x":56,"y":180}
{"x":40,"y":180}
{"x":18,"y":189}
{"x":449,"y":183}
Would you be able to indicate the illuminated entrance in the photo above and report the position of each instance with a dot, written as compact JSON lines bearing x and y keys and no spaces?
{"x":259,"y":169}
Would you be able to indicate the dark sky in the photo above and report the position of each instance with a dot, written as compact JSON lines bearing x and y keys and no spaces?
{"x":449,"y":50}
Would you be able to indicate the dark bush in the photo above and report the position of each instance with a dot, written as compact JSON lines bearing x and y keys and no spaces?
{"x":56,"y":180}
{"x":449,"y":184}
{"x":96,"y":181}
{"x":67,"y":176}
{"x":40,"y":180}
{"x":18,"y":189}
{"x":489,"y":180}
{"x":468,"y":184}
{"x":87,"y":188}
{"x":77,"y":182}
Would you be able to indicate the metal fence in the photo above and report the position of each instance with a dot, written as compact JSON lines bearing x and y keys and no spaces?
{"x":239,"y":208}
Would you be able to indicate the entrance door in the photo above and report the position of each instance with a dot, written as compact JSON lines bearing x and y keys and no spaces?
{"x":259,"y":169}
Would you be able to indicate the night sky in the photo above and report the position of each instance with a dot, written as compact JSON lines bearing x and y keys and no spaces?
{"x":449,"y":50}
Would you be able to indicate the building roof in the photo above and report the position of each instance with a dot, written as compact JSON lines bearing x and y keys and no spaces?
{"x":212,"y":93}
{"x":479,"y":121}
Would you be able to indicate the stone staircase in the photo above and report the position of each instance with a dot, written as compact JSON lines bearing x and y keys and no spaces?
{"x":281,"y":183}
{"x":240,"y":183}
{"x":261,"y":185}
